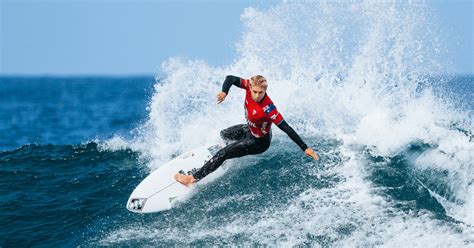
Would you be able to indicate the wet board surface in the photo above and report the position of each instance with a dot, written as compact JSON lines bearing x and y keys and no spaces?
{"x":159,"y":190}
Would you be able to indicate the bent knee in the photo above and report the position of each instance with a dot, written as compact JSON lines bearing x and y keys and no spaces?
{"x":223,"y":134}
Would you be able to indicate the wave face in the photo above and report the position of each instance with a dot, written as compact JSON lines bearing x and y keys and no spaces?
{"x":360,"y":82}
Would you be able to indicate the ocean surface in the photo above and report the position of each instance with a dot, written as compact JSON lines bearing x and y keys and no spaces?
{"x":393,"y":128}
{"x":64,"y":185}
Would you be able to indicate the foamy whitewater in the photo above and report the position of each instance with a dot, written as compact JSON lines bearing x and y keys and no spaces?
{"x":358,"y":82}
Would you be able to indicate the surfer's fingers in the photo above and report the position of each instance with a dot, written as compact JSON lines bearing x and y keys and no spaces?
{"x":316,"y":157}
{"x":313,"y":154}
{"x":220,"y":97}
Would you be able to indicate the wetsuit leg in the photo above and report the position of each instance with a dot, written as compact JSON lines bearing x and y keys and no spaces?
{"x":245,"y":146}
{"x":236,"y":132}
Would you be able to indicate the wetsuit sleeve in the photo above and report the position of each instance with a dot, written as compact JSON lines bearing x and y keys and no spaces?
{"x":293,"y":135}
{"x":231,"y":80}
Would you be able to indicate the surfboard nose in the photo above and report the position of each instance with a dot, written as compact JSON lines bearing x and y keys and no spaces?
{"x":159,"y":191}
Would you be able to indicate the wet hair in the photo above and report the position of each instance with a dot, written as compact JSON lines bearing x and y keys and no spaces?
{"x":259,"y":80}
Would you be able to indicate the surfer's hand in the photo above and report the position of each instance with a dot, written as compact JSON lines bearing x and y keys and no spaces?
{"x":311,"y":153}
{"x":187,"y":180}
{"x":220,"y":97}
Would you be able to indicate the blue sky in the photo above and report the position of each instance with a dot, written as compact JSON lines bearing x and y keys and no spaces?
{"x":106,"y":37}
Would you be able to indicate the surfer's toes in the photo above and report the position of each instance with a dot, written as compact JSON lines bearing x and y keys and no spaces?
{"x":186,"y":180}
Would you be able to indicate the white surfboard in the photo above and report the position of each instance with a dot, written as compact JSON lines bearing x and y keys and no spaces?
{"x":159,"y":190}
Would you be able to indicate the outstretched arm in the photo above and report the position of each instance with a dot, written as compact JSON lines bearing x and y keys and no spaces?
{"x":229,"y":81}
{"x":283,"y":125}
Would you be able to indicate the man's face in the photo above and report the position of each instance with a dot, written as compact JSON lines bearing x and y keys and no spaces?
{"x":257,"y":92}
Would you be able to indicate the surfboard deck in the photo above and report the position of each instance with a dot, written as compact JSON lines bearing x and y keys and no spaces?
{"x":159,"y":190}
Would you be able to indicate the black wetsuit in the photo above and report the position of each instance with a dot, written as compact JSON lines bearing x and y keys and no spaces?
{"x":240,"y":140}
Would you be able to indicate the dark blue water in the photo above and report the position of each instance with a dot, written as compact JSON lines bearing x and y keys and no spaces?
{"x":60,"y":186}
{"x":70,"y":110}
{"x":57,"y":186}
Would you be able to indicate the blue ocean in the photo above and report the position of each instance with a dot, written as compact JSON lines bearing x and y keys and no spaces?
{"x":392,"y":125}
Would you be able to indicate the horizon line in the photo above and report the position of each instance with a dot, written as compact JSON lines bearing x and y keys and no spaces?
{"x":105,"y":75}
{"x":97,"y":75}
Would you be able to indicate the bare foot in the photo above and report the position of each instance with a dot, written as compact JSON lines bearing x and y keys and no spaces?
{"x":186,"y":180}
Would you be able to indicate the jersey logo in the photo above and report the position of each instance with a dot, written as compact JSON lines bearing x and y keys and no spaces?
{"x":274,"y":116}
{"x":254,"y":112}
{"x":269,"y":108}
{"x":251,"y":123}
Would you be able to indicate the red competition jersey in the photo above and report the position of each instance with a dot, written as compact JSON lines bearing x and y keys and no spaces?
{"x":259,"y":115}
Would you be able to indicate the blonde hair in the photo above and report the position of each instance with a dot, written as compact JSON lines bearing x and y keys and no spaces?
{"x":259,"y":80}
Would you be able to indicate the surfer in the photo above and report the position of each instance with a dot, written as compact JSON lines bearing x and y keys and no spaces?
{"x":253,"y":137}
